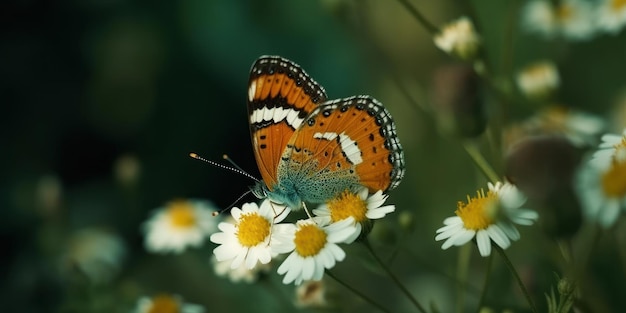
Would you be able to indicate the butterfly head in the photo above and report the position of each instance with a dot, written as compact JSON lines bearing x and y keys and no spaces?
{"x":280,"y":195}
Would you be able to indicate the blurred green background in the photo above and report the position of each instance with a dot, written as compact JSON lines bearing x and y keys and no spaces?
{"x":88,"y":85}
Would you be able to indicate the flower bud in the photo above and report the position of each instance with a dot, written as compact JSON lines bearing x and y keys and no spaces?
{"x":538,"y":81}
{"x":458,"y":38}
{"x":543,"y":168}
{"x":457,"y":101}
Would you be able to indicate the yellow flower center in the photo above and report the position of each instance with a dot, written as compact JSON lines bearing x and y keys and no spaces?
{"x":164,"y":304}
{"x":309,"y":240}
{"x":181,"y":214}
{"x":563,"y":12}
{"x":617,"y":5}
{"x":478,"y":212}
{"x":614,"y":180}
{"x":346,"y":205}
{"x":253,"y":229}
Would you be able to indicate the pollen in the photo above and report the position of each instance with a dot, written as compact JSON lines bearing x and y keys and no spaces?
{"x":347,"y":204}
{"x":614,"y":180}
{"x":477,"y":213}
{"x":253,"y":229}
{"x":181,"y":214}
{"x":309,"y":240}
{"x":164,"y":304}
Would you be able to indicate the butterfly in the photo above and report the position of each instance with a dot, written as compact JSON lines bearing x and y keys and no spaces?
{"x":310,"y":149}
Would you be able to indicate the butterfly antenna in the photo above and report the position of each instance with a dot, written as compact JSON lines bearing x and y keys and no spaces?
{"x":235,"y":169}
{"x":232,"y":204}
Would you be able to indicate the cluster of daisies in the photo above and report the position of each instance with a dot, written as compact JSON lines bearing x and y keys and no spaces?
{"x":257,"y":234}
{"x":574,"y":19}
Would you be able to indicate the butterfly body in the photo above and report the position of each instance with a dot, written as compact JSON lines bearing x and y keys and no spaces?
{"x":309,"y":149}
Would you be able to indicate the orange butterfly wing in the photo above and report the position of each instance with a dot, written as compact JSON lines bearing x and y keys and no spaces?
{"x":280,"y":96}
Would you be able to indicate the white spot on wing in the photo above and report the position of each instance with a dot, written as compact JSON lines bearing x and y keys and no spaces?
{"x":327,"y":136}
{"x":297,"y":122}
{"x":349,"y":147}
{"x":251,"y":91}
{"x":268,"y":114}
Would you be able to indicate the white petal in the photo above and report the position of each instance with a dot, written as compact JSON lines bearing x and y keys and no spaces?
{"x":308,"y":268}
{"x":380,"y":212}
{"x":319,"y":270}
{"x":498,"y":236}
{"x":609,"y":213}
{"x":236,"y":213}
{"x":484,"y":243}
{"x":510,"y":231}
{"x":239,"y":258}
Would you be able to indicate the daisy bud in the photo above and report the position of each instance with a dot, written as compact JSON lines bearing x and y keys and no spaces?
{"x":457,"y":101}
{"x":458,"y":38}
{"x":543,"y":168}
{"x":539,"y":80}
{"x":406,"y":221}
{"x":311,"y":294}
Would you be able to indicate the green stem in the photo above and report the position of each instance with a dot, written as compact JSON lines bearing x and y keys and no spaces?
{"x":517,"y":278}
{"x":463,"y":263}
{"x":393,"y":277}
{"x":432,"y":29}
{"x":356,"y":292}
{"x":483,"y":294}
{"x":480,"y":161}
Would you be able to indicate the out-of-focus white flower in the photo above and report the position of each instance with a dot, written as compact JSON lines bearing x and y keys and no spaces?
{"x":96,"y":253}
{"x":179,"y":225}
{"x":611,"y":16}
{"x":166,"y":303}
{"x":580,"y":128}
{"x":459,"y":38}
{"x":538,"y":80}
{"x":602,"y":183}
{"x":571,"y":19}
{"x":241,"y":273}
{"x":311,"y":294}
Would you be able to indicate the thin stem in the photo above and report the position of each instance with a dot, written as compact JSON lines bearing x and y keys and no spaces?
{"x":517,"y":278}
{"x":356,"y":292}
{"x":393,"y":277}
{"x":480,"y":161}
{"x":463,"y":263}
{"x":432,"y":29}
{"x":483,"y":294}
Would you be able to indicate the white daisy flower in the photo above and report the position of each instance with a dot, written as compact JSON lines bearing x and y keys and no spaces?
{"x":166,"y":303}
{"x":487,"y":217}
{"x":612,"y":146}
{"x":356,"y":205}
{"x":251,"y":238}
{"x":602,"y":184}
{"x":611,"y":16}
{"x":239,"y":274}
{"x":580,"y":128}
{"x":459,"y":38}
{"x":96,"y":252}
{"x":314,"y":249}
{"x":572,"y":19}
{"x":538,"y":80}
{"x":178,"y":225}
{"x":311,"y":294}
